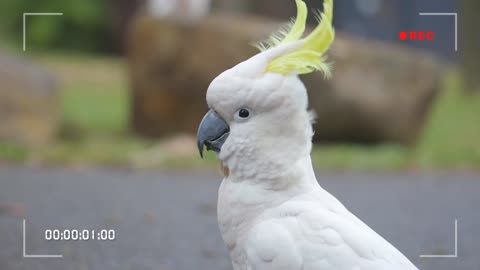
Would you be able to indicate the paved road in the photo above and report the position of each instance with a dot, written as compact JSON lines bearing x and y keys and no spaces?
{"x":166,"y":221}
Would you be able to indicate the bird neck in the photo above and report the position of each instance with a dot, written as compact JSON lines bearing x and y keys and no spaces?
{"x":298,"y":178}
{"x":268,"y":192}
{"x":287,"y":166}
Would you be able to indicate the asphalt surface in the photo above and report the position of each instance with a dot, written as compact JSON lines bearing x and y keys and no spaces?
{"x":167,"y":221}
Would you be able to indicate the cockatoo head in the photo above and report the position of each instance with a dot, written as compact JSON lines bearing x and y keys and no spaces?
{"x":258,"y":121}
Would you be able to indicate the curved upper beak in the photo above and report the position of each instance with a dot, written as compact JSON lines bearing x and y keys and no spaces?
{"x":212,"y":132}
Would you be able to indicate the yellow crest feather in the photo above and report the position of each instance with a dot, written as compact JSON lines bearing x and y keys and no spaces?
{"x":292,"y":32}
{"x":310,"y":57}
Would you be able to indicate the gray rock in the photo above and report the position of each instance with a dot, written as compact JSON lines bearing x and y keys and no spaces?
{"x":28,"y":102}
{"x":378,"y":92}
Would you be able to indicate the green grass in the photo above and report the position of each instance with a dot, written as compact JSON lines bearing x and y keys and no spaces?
{"x":13,"y":152}
{"x":96,"y":109}
{"x":94,"y":96}
{"x":359,"y":157}
{"x":95,"y":129}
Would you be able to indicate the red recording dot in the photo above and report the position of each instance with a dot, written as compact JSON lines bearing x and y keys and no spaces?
{"x":403,"y":35}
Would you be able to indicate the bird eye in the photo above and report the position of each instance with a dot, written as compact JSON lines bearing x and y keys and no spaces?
{"x":243,"y":113}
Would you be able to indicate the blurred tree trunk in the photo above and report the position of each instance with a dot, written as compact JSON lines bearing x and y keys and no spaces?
{"x":122,"y":13}
{"x":470,"y":49}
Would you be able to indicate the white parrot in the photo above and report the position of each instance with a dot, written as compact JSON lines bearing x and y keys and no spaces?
{"x":272,"y":213}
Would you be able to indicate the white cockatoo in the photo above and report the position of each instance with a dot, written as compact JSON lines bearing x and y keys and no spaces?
{"x":272,"y":213}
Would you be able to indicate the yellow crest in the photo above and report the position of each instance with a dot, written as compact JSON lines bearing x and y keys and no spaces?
{"x":310,"y":56}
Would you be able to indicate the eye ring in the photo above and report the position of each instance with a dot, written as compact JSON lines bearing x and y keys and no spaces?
{"x":243,"y":114}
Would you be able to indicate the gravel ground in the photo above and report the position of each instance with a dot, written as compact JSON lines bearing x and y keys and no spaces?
{"x":166,"y":221}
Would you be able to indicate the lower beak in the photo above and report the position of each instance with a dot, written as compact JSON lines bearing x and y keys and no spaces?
{"x":212,"y":132}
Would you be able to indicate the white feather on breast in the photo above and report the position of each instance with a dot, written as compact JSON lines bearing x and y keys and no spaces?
{"x":310,"y":231}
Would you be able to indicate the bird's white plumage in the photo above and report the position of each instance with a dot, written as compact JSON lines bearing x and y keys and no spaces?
{"x":272,"y":213}
{"x":300,"y":228}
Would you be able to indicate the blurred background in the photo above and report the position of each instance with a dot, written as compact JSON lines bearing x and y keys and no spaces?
{"x":122,"y":83}
{"x":111,"y":93}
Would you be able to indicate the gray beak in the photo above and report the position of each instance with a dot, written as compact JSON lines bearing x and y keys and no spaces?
{"x":212,"y":132}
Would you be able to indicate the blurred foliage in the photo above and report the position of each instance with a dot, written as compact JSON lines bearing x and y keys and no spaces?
{"x":452,"y":136}
{"x":470,"y":43}
{"x":85,"y":24}
{"x":95,"y":132}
